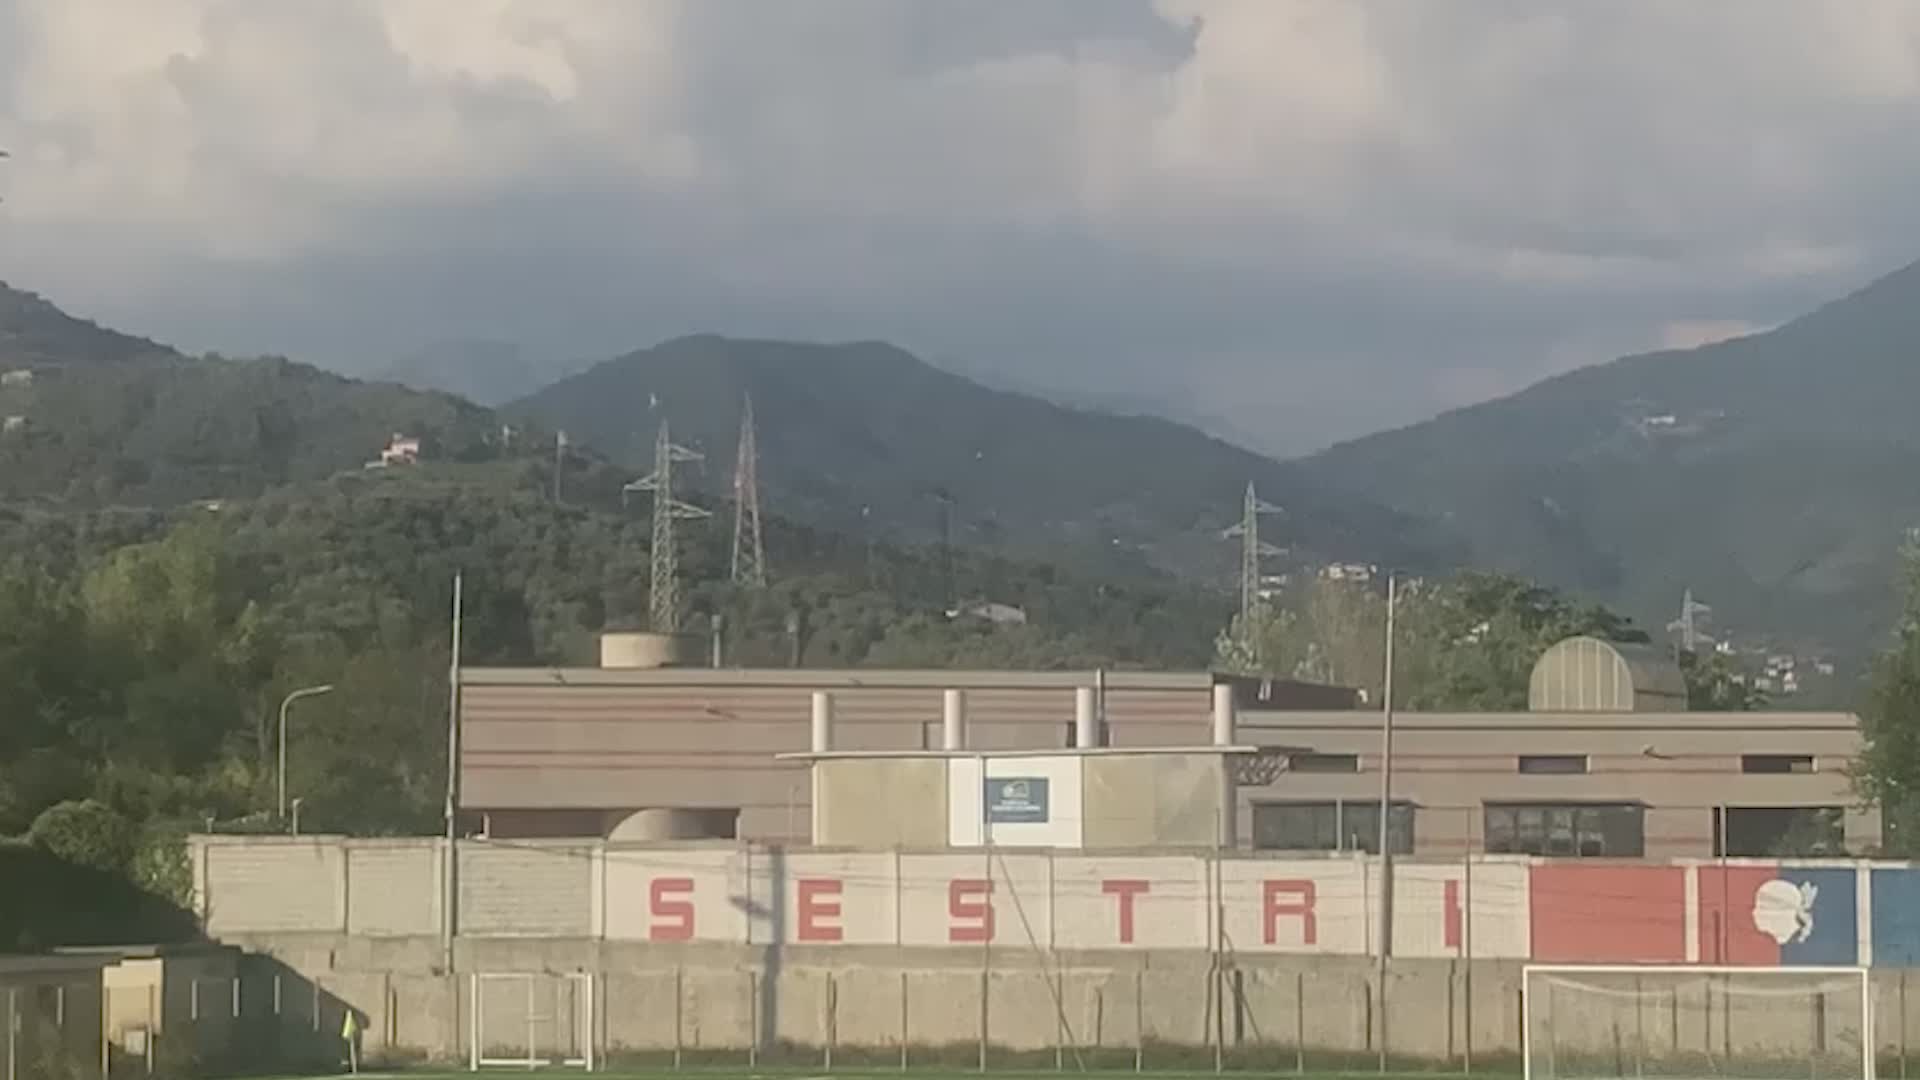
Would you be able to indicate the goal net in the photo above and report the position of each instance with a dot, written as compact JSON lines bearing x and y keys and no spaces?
{"x":1696,"y":1023}
{"x":528,"y":1020}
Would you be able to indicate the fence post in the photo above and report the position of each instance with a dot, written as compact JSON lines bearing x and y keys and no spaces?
{"x":753,"y":1019}
{"x":1059,"y":1010}
{"x":13,"y":1034}
{"x":830,"y":1022}
{"x":1466,"y":943}
{"x":679,"y":986}
{"x":1139,"y":1020}
{"x":1300,"y":1021}
{"x":1903,"y":1023}
{"x":905,"y":1035}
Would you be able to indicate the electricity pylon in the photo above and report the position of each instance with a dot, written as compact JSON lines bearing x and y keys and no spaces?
{"x":1252,"y":550}
{"x":749,"y":552}
{"x":663,"y":586}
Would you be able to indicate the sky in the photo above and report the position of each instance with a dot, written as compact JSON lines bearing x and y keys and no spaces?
{"x":1293,"y":221}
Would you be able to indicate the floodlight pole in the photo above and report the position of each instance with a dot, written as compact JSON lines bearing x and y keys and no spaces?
{"x":449,"y":883}
{"x":1386,"y":817}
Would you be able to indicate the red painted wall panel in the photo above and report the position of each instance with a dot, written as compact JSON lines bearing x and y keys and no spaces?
{"x":1609,"y":914}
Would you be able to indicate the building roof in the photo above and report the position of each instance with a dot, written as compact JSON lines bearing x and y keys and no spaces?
{"x":1252,"y":725}
{"x":833,"y":679}
{"x":1036,"y":752}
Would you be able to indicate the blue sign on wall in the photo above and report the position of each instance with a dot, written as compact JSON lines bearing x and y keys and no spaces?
{"x":1827,"y":932}
{"x":1016,"y":799}
{"x":1896,"y":917}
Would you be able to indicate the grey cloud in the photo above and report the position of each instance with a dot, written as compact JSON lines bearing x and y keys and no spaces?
{"x":1295,"y":221}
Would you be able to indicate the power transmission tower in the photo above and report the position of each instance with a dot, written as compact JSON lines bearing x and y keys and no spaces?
{"x":1688,"y":627}
{"x":945,"y":498}
{"x":1252,"y":550}
{"x":749,"y":554}
{"x":664,"y":579}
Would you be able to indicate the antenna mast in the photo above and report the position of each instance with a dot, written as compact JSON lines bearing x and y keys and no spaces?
{"x":749,"y":554}
{"x":664,"y":579}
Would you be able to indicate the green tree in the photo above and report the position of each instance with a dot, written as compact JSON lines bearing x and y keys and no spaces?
{"x":1320,"y":631}
{"x":1714,"y":685}
{"x":1888,"y":772}
{"x":87,"y":833}
{"x":1464,"y":643}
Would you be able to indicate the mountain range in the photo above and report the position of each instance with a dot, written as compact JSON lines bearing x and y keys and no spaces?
{"x":1773,"y":475}
{"x":867,"y":438}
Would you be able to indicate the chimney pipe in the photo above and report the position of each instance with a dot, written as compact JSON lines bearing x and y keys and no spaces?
{"x":1086,"y":731}
{"x":822,"y":722}
{"x":1223,"y":718}
{"x":953,"y":720}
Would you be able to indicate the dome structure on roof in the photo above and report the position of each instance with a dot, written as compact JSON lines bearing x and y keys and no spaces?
{"x":1586,"y":674}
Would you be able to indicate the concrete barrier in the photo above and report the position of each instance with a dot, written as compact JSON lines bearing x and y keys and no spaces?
{"x":1742,"y":912}
{"x":738,"y":1005}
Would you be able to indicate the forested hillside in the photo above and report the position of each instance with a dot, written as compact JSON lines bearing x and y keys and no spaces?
{"x":1774,"y":475}
{"x":866,"y":436}
{"x":90,"y":416}
{"x":142,"y":653}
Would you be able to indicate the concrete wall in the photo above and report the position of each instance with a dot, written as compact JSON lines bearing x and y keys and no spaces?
{"x":748,"y":953}
{"x":737,"y":1005}
{"x":914,"y":793}
{"x":1748,"y":912}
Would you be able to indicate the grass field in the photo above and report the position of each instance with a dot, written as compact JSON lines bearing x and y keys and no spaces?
{"x":930,"y":1073}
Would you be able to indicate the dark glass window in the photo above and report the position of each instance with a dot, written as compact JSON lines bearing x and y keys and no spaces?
{"x":1334,"y":825}
{"x":1574,"y":830}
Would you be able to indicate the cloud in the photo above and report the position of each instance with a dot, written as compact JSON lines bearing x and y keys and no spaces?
{"x":1307,"y":217}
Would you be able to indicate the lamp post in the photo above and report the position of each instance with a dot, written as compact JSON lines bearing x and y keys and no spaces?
{"x":1386,"y":817}
{"x":304,"y":692}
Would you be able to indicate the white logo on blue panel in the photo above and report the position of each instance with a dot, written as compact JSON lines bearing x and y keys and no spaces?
{"x":1783,"y":910}
{"x":1017,"y":799}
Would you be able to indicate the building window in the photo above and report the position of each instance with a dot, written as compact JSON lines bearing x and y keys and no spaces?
{"x":1577,"y":830}
{"x":1333,"y":825}
{"x":1323,"y":763}
{"x":1561,"y":764}
{"x":1779,"y":832}
{"x":1776,"y":763}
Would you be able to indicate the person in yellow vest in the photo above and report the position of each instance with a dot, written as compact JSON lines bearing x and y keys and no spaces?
{"x":350,"y":1034}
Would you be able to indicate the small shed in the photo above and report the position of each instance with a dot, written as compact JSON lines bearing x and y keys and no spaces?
{"x":1586,"y":674}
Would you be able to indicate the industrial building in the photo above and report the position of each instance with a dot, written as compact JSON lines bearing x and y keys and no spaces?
{"x":1606,"y":763}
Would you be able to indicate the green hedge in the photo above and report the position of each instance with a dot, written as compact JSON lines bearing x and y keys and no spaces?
{"x":47,"y":901}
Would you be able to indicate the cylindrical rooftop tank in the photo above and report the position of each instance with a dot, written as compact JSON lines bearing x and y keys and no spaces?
{"x":676,"y":824}
{"x":644,"y":649}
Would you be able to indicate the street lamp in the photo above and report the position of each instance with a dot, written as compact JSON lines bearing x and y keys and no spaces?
{"x":1386,"y":816}
{"x":305,"y":692}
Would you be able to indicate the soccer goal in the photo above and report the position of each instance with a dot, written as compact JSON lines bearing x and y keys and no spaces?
{"x":1603,"y":1022}
{"x":529,"y":1020}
